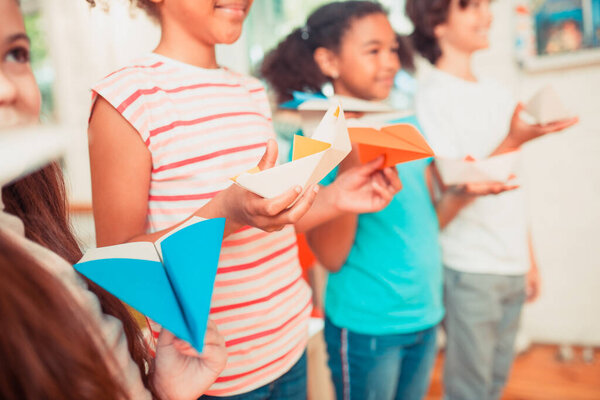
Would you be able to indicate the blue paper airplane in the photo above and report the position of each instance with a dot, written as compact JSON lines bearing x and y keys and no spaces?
{"x":174,"y":291}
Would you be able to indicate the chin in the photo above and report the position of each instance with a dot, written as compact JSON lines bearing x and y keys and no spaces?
{"x":230,"y":36}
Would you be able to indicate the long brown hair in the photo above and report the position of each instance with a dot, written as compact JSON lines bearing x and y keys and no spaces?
{"x":47,"y":349}
{"x":40,"y":201}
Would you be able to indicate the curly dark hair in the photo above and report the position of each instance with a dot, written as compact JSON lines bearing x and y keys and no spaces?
{"x":291,"y":66}
{"x":148,"y":6}
{"x":425,"y":16}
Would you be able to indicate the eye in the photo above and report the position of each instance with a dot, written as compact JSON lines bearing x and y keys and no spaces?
{"x":18,"y":54}
{"x":373,"y":51}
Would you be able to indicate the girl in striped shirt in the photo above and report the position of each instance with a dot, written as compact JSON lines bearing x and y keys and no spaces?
{"x":166,"y":134}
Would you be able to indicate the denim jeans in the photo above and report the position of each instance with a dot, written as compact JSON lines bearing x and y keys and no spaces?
{"x":289,"y":386}
{"x":381,"y":367}
{"x":482,"y":317}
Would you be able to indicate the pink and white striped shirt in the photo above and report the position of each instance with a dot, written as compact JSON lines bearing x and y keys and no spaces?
{"x":202,"y":127}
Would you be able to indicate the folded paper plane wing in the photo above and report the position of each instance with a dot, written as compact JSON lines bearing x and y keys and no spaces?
{"x":498,"y":168}
{"x":312,"y":159}
{"x":398,"y":143}
{"x":546,"y":106}
{"x":174,"y":291}
{"x":312,"y":105}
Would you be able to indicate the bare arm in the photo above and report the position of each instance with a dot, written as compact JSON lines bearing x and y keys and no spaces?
{"x":455,"y":198}
{"x":357,"y":189}
{"x":533,"y":275}
{"x":521,"y":132}
{"x":121,"y":166}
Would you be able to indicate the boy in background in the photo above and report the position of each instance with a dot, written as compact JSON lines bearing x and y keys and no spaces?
{"x":489,"y":266}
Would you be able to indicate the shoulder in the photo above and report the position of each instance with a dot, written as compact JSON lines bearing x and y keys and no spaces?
{"x":135,"y":72}
{"x":252,"y":85}
{"x":121,"y":87}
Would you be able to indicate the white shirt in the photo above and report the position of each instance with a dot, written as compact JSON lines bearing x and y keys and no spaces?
{"x":461,"y":118}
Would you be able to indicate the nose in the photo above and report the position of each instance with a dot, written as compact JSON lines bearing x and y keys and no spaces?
{"x":8,"y":89}
{"x":392,"y":61}
{"x":487,"y":13}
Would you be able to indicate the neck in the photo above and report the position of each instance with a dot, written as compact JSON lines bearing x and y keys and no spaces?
{"x":456,"y":62}
{"x":179,"y":44}
{"x":340,"y":89}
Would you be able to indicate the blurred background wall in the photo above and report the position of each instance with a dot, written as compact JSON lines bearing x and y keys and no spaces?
{"x":562,"y":172}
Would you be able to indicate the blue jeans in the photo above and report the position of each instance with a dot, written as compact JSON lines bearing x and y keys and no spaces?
{"x":382,"y":367}
{"x":289,"y":386}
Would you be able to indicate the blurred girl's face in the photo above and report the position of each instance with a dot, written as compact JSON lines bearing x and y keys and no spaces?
{"x":466,"y":29}
{"x":209,"y":21}
{"x":20,"y":98}
{"x":367,"y":60}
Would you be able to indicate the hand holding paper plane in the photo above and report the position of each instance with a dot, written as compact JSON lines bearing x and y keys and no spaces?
{"x":398,"y":143}
{"x":546,"y":107}
{"x":170,"y":281}
{"x":312,"y":159}
{"x":493,"y":169}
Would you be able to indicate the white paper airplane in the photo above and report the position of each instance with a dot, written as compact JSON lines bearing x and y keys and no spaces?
{"x":498,"y":168}
{"x":546,"y":106}
{"x":312,"y":159}
{"x":25,"y":150}
{"x":312,"y":110}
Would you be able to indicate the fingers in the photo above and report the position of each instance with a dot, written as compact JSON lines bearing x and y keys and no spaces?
{"x":371,"y":166}
{"x":303,"y":205}
{"x":294,"y":213}
{"x":487,"y":188}
{"x":274,"y":206}
{"x":212,"y":337}
{"x":185,"y":348}
{"x":391,"y":174}
{"x":382,"y":187}
{"x":269,"y":159}
{"x":559,"y":125}
{"x":275,"y":216}
{"x":165,"y":338}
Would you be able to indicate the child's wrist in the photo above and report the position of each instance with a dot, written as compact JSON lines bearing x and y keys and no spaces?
{"x":331,"y":196}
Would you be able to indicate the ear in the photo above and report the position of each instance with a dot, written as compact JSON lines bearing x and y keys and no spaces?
{"x":328,"y":62}
{"x":440,"y":31}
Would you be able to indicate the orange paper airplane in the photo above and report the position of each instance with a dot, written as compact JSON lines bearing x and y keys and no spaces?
{"x":398,"y":143}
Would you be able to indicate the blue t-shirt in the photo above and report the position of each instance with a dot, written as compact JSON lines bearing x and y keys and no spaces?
{"x":392,"y":280}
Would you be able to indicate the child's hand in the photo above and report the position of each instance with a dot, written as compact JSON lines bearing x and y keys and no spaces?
{"x":533,"y":283}
{"x":180,"y":372}
{"x":521,"y":132}
{"x":475,"y":189}
{"x":246,"y":208}
{"x":365,"y":188}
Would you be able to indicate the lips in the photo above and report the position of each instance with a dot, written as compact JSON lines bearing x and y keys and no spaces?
{"x":232,"y":6}
{"x":387,"y":81}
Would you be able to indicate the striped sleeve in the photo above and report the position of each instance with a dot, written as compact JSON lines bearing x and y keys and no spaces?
{"x":126,"y":89}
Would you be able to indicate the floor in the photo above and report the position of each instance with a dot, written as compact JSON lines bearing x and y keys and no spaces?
{"x":538,"y":375}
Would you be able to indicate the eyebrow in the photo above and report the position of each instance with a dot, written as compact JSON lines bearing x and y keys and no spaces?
{"x":17,"y":36}
{"x":376,"y":42}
